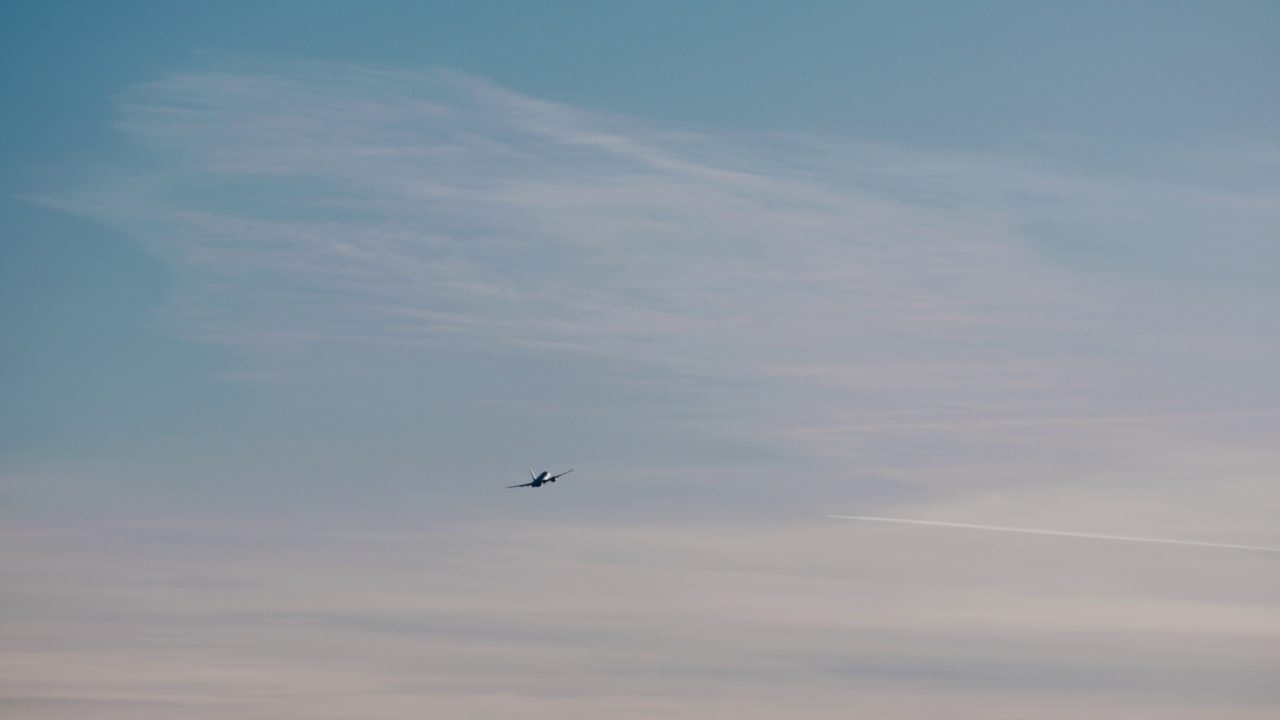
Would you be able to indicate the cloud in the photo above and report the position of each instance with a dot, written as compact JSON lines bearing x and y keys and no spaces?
{"x":946,"y":320}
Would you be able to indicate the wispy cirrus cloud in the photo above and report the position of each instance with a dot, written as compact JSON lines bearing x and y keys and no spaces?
{"x":525,"y":220}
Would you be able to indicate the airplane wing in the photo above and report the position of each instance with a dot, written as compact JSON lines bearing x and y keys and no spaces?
{"x":529,"y":484}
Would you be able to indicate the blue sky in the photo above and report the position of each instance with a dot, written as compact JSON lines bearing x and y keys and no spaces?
{"x":291,"y":291}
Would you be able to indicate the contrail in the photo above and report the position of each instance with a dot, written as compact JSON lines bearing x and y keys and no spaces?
{"x":1059,"y":533}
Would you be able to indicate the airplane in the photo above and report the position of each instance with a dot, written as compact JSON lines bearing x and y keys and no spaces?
{"x":543,"y":477}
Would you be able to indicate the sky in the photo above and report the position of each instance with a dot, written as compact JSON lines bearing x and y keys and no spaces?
{"x":290,"y":292}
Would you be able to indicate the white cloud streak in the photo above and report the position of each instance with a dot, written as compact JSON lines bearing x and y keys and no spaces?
{"x":1058,"y":533}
